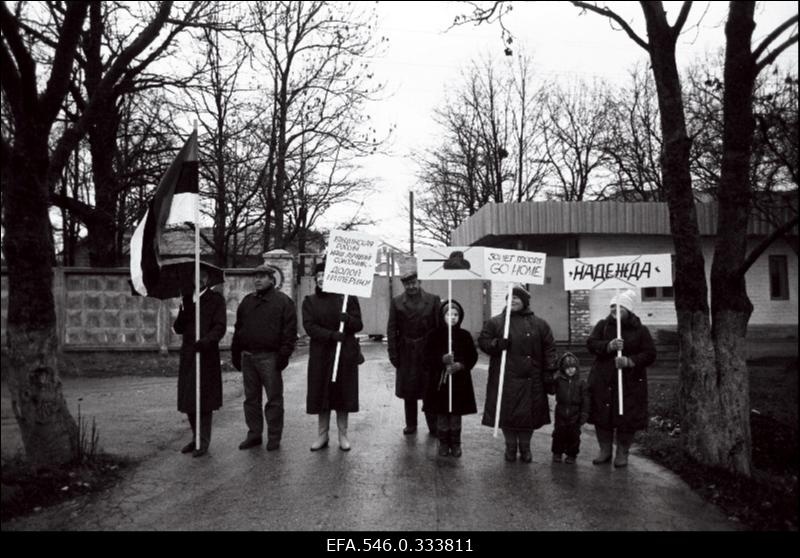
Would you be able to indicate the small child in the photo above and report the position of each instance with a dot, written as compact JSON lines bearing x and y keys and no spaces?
{"x":572,"y":408}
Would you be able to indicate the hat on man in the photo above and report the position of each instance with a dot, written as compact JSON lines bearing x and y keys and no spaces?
{"x":264,"y":269}
{"x":624,"y":299}
{"x":408,"y":276}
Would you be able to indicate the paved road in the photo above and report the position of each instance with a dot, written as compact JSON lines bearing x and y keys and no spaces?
{"x":388,"y":482}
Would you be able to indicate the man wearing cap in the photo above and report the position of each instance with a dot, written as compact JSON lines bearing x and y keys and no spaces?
{"x":638,"y":352}
{"x":264,"y":338}
{"x":412,"y":315}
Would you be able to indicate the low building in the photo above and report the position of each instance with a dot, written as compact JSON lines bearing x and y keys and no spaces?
{"x":594,"y":229}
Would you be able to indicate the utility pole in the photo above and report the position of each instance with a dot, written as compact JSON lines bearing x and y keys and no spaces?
{"x":411,"y":218}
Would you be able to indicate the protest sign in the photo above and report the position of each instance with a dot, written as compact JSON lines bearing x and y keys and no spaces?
{"x":450,"y":262}
{"x":618,"y":272}
{"x":516,"y":266}
{"x":350,"y":263}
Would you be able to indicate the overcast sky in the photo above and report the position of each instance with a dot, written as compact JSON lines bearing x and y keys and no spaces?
{"x":423,"y":59}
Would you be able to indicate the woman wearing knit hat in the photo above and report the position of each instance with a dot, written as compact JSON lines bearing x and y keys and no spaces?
{"x":445,"y":367}
{"x":638,"y":352}
{"x":531,"y":361}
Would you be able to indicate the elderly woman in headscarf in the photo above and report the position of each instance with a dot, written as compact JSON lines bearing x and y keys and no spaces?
{"x":530,"y":364}
{"x":450,"y":366}
{"x":638,"y":352}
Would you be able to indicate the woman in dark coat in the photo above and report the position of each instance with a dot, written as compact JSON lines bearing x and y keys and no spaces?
{"x":213,"y":324}
{"x":638,"y":353}
{"x":530,"y":363}
{"x":322,"y":313}
{"x":457,"y":366}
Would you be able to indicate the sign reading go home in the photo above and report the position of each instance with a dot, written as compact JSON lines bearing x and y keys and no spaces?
{"x":618,"y":272}
{"x":350,"y":263}
{"x":514,"y":266}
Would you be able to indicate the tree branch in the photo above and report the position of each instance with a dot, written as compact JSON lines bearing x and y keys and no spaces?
{"x":764,"y":244}
{"x":770,"y":58}
{"x":772,"y":36}
{"x":616,"y":17}
{"x":681,"y":21}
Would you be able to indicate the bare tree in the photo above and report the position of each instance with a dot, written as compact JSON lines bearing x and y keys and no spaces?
{"x":30,"y":172}
{"x":576,"y":120}
{"x":632,"y":141}
{"x":317,"y":56}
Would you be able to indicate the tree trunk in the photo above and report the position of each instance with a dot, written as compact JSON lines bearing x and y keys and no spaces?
{"x":729,"y":438}
{"x":49,"y":433}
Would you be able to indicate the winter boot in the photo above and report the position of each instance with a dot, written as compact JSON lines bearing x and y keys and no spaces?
{"x":323,"y":427}
{"x":455,"y":443}
{"x":624,"y":440}
{"x":341,"y":425}
{"x":604,"y":440}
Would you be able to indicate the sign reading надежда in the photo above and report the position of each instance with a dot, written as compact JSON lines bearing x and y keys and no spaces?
{"x":350,"y":263}
{"x":618,"y":272}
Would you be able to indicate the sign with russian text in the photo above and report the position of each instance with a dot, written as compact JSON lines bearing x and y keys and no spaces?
{"x":516,"y":266}
{"x":450,"y":262}
{"x":350,"y":263}
{"x":618,"y":272}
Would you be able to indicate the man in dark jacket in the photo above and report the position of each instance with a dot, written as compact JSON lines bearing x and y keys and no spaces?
{"x":213,"y":320}
{"x":263,"y":340}
{"x":412,"y":316}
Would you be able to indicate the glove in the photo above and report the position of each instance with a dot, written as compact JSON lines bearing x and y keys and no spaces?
{"x":503,"y":344}
{"x":337,"y":336}
{"x":615,"y":345}
{"x":201,"y":345}
{"x":282,"y":362}
{"x":453,"y":368}
{"x":623,"y":362}
{"x":343,"y":317}
{"x":448,"y":358}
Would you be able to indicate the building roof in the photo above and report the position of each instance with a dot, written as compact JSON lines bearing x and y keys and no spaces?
{"x":554,"y":217}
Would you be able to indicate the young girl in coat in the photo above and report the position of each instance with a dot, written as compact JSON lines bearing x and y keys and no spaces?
{"x":572,"y":408}
{"x":444,"y":367}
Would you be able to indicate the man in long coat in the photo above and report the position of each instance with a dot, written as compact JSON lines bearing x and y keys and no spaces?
{"x":412,"y":316}
{"x":213,"y":320}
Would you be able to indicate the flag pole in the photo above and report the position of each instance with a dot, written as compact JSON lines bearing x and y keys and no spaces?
{"x":619,"y":354}
{"x":339,"y":343}
{"x":503,"y":359}
{"x":197,"y":310}
{"x":449,"y":345}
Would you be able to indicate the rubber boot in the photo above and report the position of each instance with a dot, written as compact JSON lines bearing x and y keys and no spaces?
{"x":324,"y":426}
{"x":525,"y":446}
{"x":511,"y":446}
{"x":624,"y":440}
{"x":444,"y":442}
{"x":455,"y":443}
{"x":341,"y":425}
{"x":605,"y":439}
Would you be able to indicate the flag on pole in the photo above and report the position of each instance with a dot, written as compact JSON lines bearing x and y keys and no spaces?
{"x":162,"y":246}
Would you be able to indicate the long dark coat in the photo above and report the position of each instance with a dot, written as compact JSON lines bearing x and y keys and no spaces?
{"x":437,"y":396}
{"x":638,"y":345}
{"x":321,"y":319}
{"x":213,"y":323}
{"x":530,"y":363}
{"x":572,"y":399}
{"x":410,"y":321}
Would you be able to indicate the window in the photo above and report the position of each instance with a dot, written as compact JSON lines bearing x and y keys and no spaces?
{"x":660,"y":293}
{"x":778,"y":278}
